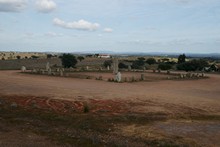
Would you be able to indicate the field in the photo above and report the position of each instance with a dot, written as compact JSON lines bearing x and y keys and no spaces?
{"x":40,"y":110}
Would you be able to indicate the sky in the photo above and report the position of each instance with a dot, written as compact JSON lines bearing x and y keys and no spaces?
{"x":174,"y":26}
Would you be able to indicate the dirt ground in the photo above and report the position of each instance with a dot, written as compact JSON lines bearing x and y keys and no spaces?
{"x":187,"y":110}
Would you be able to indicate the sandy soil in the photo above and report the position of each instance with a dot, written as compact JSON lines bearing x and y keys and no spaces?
{"x":172,"y":99}
{"x":201,"y":94}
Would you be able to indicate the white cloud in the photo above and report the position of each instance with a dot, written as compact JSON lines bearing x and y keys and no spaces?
{"x":29,"y":35}
{"x":108,"y":30}
{"x":12,"y":5}
{"x":45,"y":6}
{"x":79,"y":25}
{"x":52,"y":34}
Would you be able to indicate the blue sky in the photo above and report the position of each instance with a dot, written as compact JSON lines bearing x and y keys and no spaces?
{"x":180,"y":26}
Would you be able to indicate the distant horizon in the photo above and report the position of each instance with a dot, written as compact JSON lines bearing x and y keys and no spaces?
{"x":182,"y":26}
{"x":112,"y":52}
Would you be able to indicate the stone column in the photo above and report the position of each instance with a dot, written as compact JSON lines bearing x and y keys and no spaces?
{"x":61,"y":73}
{"x":115,"y":66}
{"x":118,"y":77}
{"x":129,"y":67}
{"x":49,"y":71}
{"x":47,"y":66}
{"x":23,"y":69}
{"x":142,"y":77}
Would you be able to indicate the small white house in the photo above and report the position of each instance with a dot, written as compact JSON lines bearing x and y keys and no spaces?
{"x":104,"y":56}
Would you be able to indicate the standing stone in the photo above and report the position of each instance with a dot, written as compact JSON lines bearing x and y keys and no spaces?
{"x":142,"y":77}
{"x":42,"y":71}
{"x":203,"y":75}
{"x":154,"y":70}
{"x":144,"y":69}
{"x":129,"y":67}
{"x":159,"y":70}
{"x":115,"y":66}
{"x":108,"y":68}
{"x":181,"y":76}
{"x":61,"y":73}
{"x":132,"y":79}
{"x":87,"y":67}
{"x":47,"y":66}
{"x":23,"y":69}
{"x":49,"y":71}
{"x":34,"y":71}
{"x":168,"y":72}
{"x":71,"y":68}
{"x":118,"y":77}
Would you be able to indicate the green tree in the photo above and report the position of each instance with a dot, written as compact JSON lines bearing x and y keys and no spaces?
{"x":49,"y":56}
{"x":18,"y":57}
{"x":151,"y":61}
{"x":138,"y":64}
{"x":182,"y":58}
{"x":80,"y":58}
{"x":141,"y":58}
{"x":193,"y":65}
{"x":122,"y":65}
{"x":68,"y":60}
{"x":164,"y":66}
{"x":107,"y":63}
{"x":33,"y":57}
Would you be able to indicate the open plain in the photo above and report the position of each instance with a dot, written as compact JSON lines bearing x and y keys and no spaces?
{"x":148,"y":113}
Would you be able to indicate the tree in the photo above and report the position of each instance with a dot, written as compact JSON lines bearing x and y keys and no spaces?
{"x":151,"y":61}
{"x":80,"y":58}
{"x":164,"y":66}
{"x":141,"y":58}
{"x":68,"y":60}
{"x":18,"y":57}
{"x":33,"y":57}
{"x":182,"y":58}
{"x":138,"y":64}
{"x":122,"y":65}
{"x":107,"y":63}
{"x":193,"y":65}
{"x":49,"y":56}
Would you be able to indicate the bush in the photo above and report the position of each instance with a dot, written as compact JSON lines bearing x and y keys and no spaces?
{"x":164,"y":66}
{"x":151,"y":61}
{"x":107,"y":63}
{"x":122,"y":65}
{"x":33,"y":57}
{"x":138,"y":64}
{"x":80,"y":58}
{"x":68,"y":60}
{"x":193,"y":65}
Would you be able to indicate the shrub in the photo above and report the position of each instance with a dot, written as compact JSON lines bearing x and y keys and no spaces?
{"x":138,"y":64}
{"x":164,"y":66}
{"x":80,"y":58}
{"x":107,"y":63}
{"x":151,"y":61}
{"x":68,"y":60}
{"x":122,"y":65}
{"x":193,"y":65}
